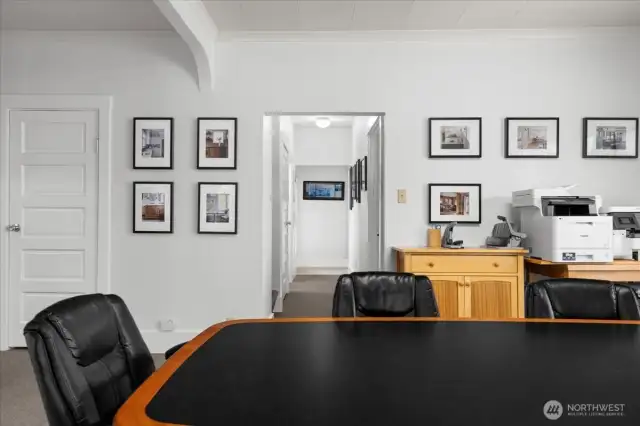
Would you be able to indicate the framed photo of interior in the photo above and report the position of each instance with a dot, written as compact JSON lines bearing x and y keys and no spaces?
{"x":217,"y":208}
{"x":322,"y":190}
{"x":364,"y":173}
{"x":351,"y":188}
{"x":153,"y":207}
{"x":455,"y":137}
{"x":217,"y":143}
{"x":359,"y":181}
{"x":455,"y":202}
{"x":532,"y":137}
{"x":610,"y":138}
{"x":152,"y":143}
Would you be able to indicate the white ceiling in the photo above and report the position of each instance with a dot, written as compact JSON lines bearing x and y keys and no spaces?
{"x":325,"y":15}
{"x":310,"y":120}
{"x":344,"y":15}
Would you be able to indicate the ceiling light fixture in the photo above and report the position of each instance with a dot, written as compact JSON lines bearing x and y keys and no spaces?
{"x":323,"y":122}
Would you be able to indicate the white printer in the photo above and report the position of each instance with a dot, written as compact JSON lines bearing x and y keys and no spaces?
{"x":561,"y":227}
{"x":626,"y":231}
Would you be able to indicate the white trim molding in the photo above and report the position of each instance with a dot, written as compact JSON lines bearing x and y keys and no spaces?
{"x":103,"y":105}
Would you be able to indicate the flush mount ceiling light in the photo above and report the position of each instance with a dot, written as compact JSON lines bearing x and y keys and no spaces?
{"x":323,"y":122}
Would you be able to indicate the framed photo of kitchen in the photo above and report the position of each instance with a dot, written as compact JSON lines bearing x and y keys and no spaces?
{"x":455,"y":202}
{"x":217,"y":208}
{"x":217,"y":143}
{"x":152,"y":143}
{"x":532,"y":137}
{"x":153,"y":207}
{"x":455,"y":137}
{"x":610,"y":138}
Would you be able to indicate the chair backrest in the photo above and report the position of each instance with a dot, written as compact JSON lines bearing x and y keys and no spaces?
{"x":581,"y":299}
{"x":384,"y":294}
{"x":88,"y":357}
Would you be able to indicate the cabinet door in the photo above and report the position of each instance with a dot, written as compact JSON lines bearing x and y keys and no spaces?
{"x":449,"y":293}
{"x":491,"y":297}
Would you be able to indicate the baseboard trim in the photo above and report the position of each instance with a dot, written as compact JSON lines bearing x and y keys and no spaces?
{"x":322,"y":270}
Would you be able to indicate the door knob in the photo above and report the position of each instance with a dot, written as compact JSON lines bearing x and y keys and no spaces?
{"x":288,"y":223}
{"x":14,"y":228}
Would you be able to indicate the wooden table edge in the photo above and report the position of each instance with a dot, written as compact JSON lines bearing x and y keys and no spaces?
{"x":133,"y":411}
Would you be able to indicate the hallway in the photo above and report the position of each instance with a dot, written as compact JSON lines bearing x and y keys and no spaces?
{"x":310,"y":296}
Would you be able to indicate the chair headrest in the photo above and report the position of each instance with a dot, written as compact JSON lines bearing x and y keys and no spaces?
{"x":384,"y":294}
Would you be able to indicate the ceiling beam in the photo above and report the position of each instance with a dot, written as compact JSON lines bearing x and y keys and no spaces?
{"x":192,"y":22}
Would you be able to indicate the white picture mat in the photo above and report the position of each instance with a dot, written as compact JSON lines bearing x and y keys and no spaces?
{"x":632,"y":131}
{"x":230,"y":127}
{"x":141,"y":161}
{"x":473,"y":135}
{"x":140,"y":225}
{"x":552,"y":137}
{"x":205,"y":189}
{"x":474,"y":202}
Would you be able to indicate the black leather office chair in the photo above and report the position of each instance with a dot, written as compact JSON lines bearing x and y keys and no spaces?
{"x":581,"y":299}
{"x":88,"y":357}
{"x":384,"y":294}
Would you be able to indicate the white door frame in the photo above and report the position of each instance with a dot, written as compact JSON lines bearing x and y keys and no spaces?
{"x":101,"y":104}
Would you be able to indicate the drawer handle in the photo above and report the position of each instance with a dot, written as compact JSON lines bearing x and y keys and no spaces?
{"x":495,"y":264}
{"x":431,"y":265}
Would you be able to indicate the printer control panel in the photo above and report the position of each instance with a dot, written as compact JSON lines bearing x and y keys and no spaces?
{"x":626,"y":221}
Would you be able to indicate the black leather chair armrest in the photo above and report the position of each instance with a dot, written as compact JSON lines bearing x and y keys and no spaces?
{"x":173,"y":350}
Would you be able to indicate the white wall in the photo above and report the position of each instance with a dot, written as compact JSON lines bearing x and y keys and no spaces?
{"x":200,"y":279}
{"x":322,"y":147}
{"x":322,"y":225}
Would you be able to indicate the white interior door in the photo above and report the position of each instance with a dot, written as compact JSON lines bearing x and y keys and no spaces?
{"x":53,"y":215}
{"x":374,"y":197}
{"x":285,"y":187}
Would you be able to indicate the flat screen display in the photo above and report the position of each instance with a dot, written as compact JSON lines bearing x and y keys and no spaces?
{"x":323,"y":190}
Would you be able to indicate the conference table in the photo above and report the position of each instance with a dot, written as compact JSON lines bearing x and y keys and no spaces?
{"x":383,"y":371}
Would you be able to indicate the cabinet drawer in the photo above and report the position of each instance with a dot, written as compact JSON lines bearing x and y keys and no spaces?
{"x":455,"y":264}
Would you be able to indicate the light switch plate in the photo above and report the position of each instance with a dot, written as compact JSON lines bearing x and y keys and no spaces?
{"x":402,"y":196}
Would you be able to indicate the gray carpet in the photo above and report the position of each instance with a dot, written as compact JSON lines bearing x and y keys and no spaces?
{"x":20,"y":404}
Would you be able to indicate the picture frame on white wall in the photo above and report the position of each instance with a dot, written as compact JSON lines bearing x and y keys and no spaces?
{"x":217,"y":208}
{"x":459,"y":137}
{"x":217,"y":143}
{"x":153,"y":207}
{"x":455,"y":202}
{"x":610,"y":138}
{"x":532,"y":137}
{"x":153,"y":143}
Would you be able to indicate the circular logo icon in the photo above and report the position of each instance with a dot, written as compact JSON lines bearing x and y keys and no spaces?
{"x":552,"y":410}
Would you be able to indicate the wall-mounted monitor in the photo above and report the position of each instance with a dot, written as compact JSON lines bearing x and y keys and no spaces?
{"x":322,"y":190}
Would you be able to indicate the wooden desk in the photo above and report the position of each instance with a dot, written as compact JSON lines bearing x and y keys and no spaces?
{"x":619,"y":270}
{"x":391,"y":371}
{"x":470,"y":282}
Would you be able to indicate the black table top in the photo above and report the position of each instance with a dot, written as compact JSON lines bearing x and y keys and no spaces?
{"x":407,"y":373}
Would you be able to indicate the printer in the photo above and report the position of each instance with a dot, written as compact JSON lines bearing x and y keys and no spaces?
{"x":626,"y":231}
{"x":561,"y":227}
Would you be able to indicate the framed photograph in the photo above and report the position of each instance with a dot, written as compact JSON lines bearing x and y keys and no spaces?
{"x":364,"y":173}
{"x":359,"y":181}
{"x":153,"y":207}
{"x":322,"y":190}
{"x":351,"y":188}
{"x":217,"y":143}
{"x":455,"y":137}
{"x":217,"y":208}
{"x":152,"y":143}
{"x":532,"y":137}
{"x":610,"y":138}
{"x":455,"y":202}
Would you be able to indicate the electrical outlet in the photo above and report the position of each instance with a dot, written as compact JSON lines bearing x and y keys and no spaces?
{"x":402,"y":196}
{"x":167,"y":325}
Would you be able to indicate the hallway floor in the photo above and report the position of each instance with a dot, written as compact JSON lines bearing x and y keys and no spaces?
{"x":310,"y":296}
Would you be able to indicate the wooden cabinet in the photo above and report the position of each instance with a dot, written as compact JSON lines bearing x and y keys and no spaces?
{"x":471,"y":283}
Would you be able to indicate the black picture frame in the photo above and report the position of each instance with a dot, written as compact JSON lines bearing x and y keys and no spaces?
{"x":234,"y":143}
{"x":136,"y":166}
{"x":430,"y":128}
{"x":351,"y":188}
{"x":453,"y":219}
{"x":359,"y":181}
{"x":507,"y":123}
{"x":585,"y":125}
{"x":306,"y":196}
{"x":138,"y":231}
{"x":235,"y":210}
{"x":364,"y":173}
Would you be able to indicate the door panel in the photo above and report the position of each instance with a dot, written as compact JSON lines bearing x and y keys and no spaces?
{"x":492,"y":297}
{"x":373,"y":197}
{"x":53,"y":194}
{"x":449,"y":293}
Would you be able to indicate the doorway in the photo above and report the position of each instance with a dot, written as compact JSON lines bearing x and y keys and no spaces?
{"x":327,"y":210}
{"x":56,"y":205}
